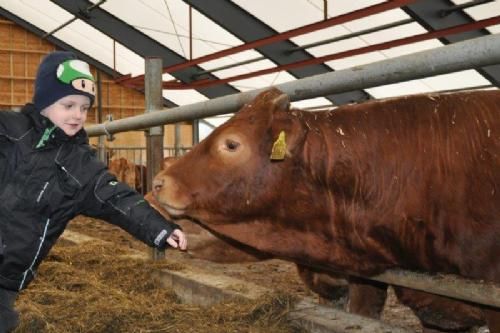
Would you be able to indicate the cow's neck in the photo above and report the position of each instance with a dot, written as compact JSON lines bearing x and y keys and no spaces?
{"x":306,"y":247}
{"x":338,"y":177}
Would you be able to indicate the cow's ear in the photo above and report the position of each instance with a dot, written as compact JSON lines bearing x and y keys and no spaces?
{"x":271,"y":100}
{"x":280,"y":103}
{"x":287,"y":134}
{"x":261,"y":109}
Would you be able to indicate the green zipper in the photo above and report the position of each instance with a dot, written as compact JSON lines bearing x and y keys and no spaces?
{"x":45,"y":136}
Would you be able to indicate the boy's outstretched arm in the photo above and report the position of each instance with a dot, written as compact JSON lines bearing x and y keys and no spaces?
{"x":119,"y":204}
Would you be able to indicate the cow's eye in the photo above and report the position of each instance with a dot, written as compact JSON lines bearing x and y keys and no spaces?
{"x":232,"y":145}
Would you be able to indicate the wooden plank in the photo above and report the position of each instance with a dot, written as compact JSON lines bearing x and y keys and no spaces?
{"x":196,"y":286}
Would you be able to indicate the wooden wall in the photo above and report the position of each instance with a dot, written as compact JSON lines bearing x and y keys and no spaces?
{"x":20,"y":54}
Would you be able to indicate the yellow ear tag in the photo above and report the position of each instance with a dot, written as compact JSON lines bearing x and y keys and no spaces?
{"x":279,"y":148}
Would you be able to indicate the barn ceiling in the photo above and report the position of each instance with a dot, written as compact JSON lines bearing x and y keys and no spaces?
{"x":220,"y":47}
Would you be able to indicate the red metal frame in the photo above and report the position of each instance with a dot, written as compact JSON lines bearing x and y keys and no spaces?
{"x":370,"y":48}
{"x":364,"y":12}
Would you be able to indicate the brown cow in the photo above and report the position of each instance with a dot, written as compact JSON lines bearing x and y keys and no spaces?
{"x":215,"y":248}
{"x":124,"y":170}
{"x":411,"y":183}
{"x":134,"y":175}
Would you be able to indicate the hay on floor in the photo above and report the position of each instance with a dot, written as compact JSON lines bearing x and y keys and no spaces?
{"x":100,"y":287}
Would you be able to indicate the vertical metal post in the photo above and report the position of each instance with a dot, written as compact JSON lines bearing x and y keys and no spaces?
{"x":196,"y":131}
{"x":177,"y":139}
{"x":154,"y":135}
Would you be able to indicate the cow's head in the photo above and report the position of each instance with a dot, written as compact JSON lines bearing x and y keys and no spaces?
{"x":230,"y":184}
{"x":230,"y":175}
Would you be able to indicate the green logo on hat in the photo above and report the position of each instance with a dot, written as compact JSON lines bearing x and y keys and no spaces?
{"x":77,"y":73}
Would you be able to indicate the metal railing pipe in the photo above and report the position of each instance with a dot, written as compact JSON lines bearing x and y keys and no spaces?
{"x":472,"y":53}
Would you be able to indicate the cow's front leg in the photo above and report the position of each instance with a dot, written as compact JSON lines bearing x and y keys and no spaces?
{"x":366,"y":298}
{"x":331,"y":288}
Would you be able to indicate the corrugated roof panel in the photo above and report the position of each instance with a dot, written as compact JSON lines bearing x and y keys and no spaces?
{"x":231,"y":59}
{"x":43,"y":13}
{"x":282,"y":15}
{"x":154,"y":19}
{"x":463,"y":79}
{"x":312,"y":102}
{"x":127,"y":61}
{"x":494,"y":29}
{"x":412,"y":48}
{"x":484,"y":11}
{"x":183,"y":97}
{"x":399,"y":89}
{"x":336,"y":8}
{"x":376,"y":20}
{"x":358,"y":60}
{"x":89,"y":40}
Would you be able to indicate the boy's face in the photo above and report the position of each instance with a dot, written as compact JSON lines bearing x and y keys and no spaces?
{"x":68,"y":113}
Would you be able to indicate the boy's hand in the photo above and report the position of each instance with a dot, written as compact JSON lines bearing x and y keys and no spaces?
{"x":177,"y":239}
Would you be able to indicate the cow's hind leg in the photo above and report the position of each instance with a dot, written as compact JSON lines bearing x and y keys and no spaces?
{"x":366,"y":298}
{"x":439,"y":314}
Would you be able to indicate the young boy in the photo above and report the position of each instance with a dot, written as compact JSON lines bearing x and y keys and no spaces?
{"x":49,"y":175}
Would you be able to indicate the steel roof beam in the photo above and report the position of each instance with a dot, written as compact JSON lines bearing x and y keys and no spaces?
{"x":249,"y":29}
{"x":429,"y":14}
{"x":344,"y":54}
{"x":139,"y":42}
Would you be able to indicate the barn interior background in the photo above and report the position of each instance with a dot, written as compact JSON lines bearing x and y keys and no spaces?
{"x":211,"y":49}
{"x":116,"y":36}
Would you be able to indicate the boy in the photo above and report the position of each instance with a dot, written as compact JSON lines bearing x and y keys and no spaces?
{"x":49,"y":174}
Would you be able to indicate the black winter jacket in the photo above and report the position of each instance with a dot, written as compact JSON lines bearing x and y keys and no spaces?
{"x":46,"y":179}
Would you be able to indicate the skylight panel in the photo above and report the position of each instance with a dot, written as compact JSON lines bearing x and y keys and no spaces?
{"x":313,"y":103}
{"x":484,"y":11}
{"x":282,"y":15}
{"x":458,"y":80}
{"x":184,"y":97}
{"x":399,"y":89}
{"x":452,"y":81}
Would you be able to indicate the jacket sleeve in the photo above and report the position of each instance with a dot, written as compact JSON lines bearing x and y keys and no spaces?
{"x":119,"y":204}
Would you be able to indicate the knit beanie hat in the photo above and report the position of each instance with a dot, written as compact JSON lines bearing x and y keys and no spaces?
{"x":61,"y":74}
